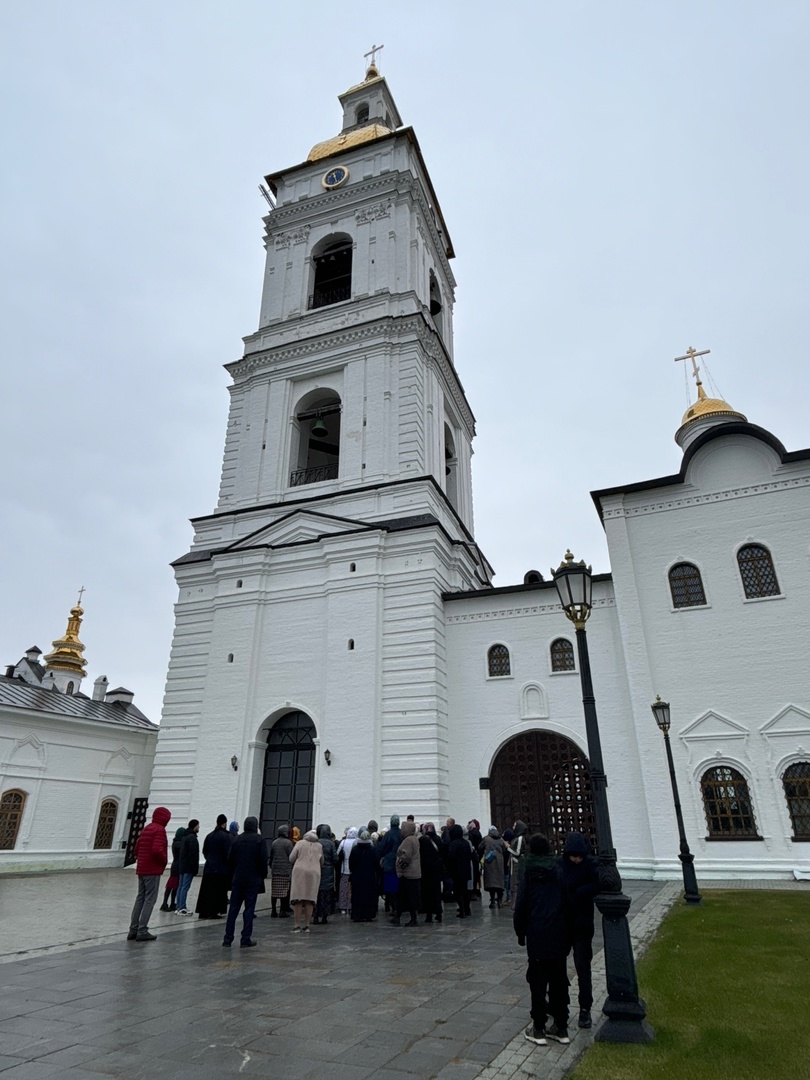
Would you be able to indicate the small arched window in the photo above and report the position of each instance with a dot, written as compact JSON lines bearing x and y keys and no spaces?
{"x":12,"y":805}
{"x":686,"y":586}
{"x":105,"y":830}
{"x":498,"y":661}
{"x":333,"y":274}
{"x":562,"y":655}
{"x":450,"y":467}
{"x":727,"y":803}
{"x":796,"y":782}
{"x":361,"y":116}
{"x":532,"y":577}
{"x":757,"y":572}
{"x":70,"y":688}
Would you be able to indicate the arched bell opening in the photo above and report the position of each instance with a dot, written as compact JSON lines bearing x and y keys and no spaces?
{"x":544,"y":779}
{"x":436,"y":306}
{"x":450,"y":466}
{"x":331,"y":271}
{"x":316,"y":439}
{"x":288,"y":785}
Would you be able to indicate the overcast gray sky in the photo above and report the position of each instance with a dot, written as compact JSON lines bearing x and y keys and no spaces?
{"x":619,"y":180}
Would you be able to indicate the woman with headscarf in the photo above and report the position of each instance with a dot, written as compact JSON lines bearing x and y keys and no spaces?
{"x":174,"y":873}
{"x":306,"y":859}
{"x":517,"y":851}
{"x":345,"y":890}
{"x":326,"y":891}
{"x":387,"y":856}
{"x":492,"y":853}
{"x":280,"y":872}
{"x":363,"y":869}
{"x":507,"y":837}
{"x":432,"y":860}
{"x":409,"y":872}
{"x":459,"y":864}
{"x":475,"y":838}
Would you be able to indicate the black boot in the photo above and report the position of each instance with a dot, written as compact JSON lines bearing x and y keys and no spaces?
{"x":412,"y":921}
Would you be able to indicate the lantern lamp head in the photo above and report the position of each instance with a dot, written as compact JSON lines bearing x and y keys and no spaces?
{"x":234,"y":762}
{"x":574,"y":587}
{"x":660,"y":710}
{"x":327,"y":756}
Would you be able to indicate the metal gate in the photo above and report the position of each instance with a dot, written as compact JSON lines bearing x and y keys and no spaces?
{"x":543,"y":779}
{"x":137,"y":820}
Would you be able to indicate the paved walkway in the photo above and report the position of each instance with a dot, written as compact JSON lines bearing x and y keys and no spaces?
{"x":355,"y":1001}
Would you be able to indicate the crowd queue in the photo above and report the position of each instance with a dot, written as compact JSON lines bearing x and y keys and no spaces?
{"x":414,"y":869}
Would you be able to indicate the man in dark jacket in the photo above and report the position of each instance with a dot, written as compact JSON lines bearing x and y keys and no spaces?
{"x":539,"y":923}
{"x":248,"y":864}
{"x":212,"y":901}
{"x":581,"y":884}
{"x":459,"y":867}
{"x":189,"y":865}
{"x":152,"y":853}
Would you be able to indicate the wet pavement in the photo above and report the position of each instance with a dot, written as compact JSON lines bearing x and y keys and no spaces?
{"x":352,"y":1000}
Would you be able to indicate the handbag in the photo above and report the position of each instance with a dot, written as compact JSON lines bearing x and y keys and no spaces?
{"x":490,"y":855}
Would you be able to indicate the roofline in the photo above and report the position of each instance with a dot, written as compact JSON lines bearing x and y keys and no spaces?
{"x":44,"y":715}
{"x":503,"y":590}
{"x":409,"y":133}
{"x":719,"y":431}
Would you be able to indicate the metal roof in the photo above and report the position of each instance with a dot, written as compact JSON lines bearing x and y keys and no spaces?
{"x":17,"y":694}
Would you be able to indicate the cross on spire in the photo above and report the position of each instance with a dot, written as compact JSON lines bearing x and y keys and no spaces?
{"x":692,"y":354}
{"x":373,"y":54}
{"x":82,"y":591}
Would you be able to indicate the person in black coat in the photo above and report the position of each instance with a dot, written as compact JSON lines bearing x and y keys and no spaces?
{"x":581,"y":883}
{"x":212,"y":903}
{"x":459,"y":866}
{"x":188,"y":865}
{"x":539,"y":922}
{"x":431,"y":857}
{"x":247,"y":863}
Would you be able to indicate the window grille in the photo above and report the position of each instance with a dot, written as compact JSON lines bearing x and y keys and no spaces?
{"x":11,"y":810}
{"x":727,"y":803}
{"x":686,"y":586}
{"x":796,"y":782}
{"x":106,"y":824}
{"x":498,"y":660}
{"x":562,"y":655}
{"x":757,"y":571}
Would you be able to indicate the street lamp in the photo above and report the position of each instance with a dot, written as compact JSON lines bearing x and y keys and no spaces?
{"x":691,"y":895}
{"x":624,"y":1009}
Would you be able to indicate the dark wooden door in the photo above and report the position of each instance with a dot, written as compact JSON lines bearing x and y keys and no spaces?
{"x":289,"y":775}
{"x":543,"y":779}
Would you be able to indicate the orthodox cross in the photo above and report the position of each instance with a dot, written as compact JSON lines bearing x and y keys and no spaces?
{"x":82,"y":591}
{"x":373,"y":54}
{"x":691,"y":354}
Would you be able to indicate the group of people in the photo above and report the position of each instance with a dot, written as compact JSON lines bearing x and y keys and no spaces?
{"x":413,"y":868}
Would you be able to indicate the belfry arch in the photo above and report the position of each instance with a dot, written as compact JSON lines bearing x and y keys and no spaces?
{"x":544,"y":779}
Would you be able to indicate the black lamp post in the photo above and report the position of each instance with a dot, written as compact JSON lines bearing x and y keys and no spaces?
{"x":624,"y":1009}
{"x":691,"y":895}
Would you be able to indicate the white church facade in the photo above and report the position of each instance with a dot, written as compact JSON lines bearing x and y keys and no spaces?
{"x":340,"y":652}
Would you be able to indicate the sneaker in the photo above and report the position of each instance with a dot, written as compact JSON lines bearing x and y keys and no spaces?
{"x":144,"y":935}
{"x":132,"y":935}
{"x":185,"y":911}
{"x":584,"y":1019}
{"x":163,"y":907}
{"x":306,"y":930}
{"x":535,"y":1034}
{"x":296,"y":930}
{"x":247,"y":944}
{"x":557,"y":1033}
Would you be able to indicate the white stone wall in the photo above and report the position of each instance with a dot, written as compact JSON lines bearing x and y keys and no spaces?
{"x":67,"y":768}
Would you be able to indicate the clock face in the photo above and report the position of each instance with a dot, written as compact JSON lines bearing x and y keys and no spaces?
{"x":335,"y":177}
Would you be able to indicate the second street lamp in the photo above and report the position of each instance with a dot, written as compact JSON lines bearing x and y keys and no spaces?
{"x":624,"y":1009}
{"x":691,"y":895}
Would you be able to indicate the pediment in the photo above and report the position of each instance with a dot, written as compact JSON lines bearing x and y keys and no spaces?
{"x":788,"y":721}
{"x":711,"y":725}
{"x":119,"y":763}
{"x":297,"y":527}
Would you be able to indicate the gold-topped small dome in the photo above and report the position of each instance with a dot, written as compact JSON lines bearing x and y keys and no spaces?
{"x":707,"y":406}
{"x":347,"y":140}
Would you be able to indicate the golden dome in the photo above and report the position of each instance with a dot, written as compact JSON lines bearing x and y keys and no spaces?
{"x":707,"y":406}
{"x":346,"y":140}
{"x":67,"y":650}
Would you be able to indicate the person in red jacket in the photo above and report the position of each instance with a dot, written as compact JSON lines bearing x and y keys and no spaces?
{"x":152,"y":852}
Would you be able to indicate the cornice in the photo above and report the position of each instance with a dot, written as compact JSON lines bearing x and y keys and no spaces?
{"x":520,"y":612}
{"x":663,"y":505}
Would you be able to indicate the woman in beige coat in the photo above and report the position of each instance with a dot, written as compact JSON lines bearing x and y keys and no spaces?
{"x":306,"y":859}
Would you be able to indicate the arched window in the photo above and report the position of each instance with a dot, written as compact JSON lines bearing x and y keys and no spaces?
{"x":105,"y":830}
{"x":436,"y":303}
{"x":70,"y":688}
{"x":450,"y":467}
{"x":498,"y":661}
{"x":332,"y":281}
{"x":562,"y":655}
{"x":796,"y":782}
{"x":315,"y":452}
{"x":12,"y":805}
{"x":727,"y":804}
{"x":361,"y":116}
{"x":757,"y":572}
{"x":686,"y":586}
{"x":532,"y":577}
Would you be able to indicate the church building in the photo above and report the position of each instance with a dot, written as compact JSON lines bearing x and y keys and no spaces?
{"x":340,"y":652}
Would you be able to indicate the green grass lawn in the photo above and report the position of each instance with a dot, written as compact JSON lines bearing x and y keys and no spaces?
{"x":727,"y":987}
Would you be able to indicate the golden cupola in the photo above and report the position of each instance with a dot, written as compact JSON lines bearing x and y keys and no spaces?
{"x":706,"y":411}
{"x":67,"y":656}
{"x":369,"y":113}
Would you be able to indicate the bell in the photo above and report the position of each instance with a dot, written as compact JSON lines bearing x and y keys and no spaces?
{"x":319,"y":429}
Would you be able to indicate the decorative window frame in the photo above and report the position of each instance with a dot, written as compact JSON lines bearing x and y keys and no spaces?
{"x":756,"y":599}
{"x":721,"y":761}
{"x":108,"y":797}
{"x":18,"y":789}
{"x":692,"y":607}
{"x":572,"y":671}
{"x":499,"y":678}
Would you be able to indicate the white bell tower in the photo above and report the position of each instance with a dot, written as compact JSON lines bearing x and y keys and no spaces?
{"x":345,"y":505}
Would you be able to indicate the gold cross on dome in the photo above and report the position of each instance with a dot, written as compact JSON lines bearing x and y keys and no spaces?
{"x":373,"y":54}
{"x":692,"y":354}
{"x":82,"y":591}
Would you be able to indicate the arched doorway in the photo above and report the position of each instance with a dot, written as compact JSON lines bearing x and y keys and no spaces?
{"x":289,"y":774}
{"x":545,"y":780}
